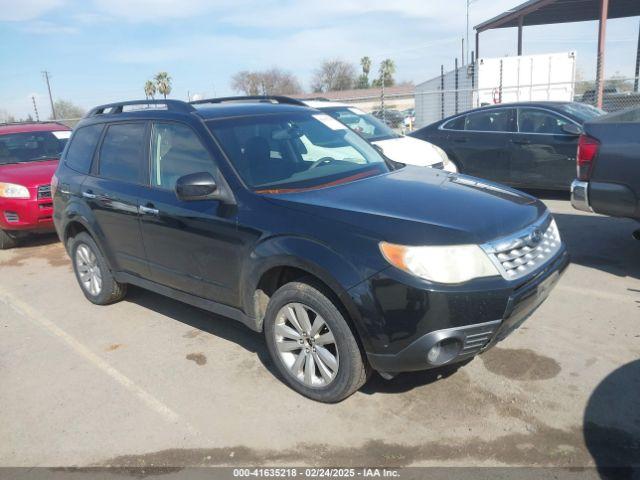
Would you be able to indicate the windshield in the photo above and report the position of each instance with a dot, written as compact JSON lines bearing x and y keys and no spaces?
{"x":366,"y":125}
{"x":274,"y":153}
{"x":32,"y":146}
{"x":582,"y":111}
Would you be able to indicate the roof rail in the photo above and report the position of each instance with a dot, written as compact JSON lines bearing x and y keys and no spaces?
{"x":252,"y":98}
{"x":117,"y":107}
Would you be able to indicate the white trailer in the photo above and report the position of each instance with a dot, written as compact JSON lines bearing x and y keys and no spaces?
{"x":526,"y":78}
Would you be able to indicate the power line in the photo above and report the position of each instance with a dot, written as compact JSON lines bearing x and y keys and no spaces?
{"x":46,"y":77}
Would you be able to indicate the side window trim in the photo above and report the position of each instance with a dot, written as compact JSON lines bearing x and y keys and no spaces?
{"x":95,"y":171}
{"x":149,"y":153}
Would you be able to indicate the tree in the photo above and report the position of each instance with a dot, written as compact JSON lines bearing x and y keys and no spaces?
{"x":267,"y":82}
{"x":67,"y":110}
{"x":149,"y":89}
{"x":6,"y":117}
{"x":363,"y":80}
{"x":334,"y":75}
{"x":163,"y":83}
{"x":386,"y":71}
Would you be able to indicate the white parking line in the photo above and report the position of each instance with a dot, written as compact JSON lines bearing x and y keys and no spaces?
{"x":38,"y":318}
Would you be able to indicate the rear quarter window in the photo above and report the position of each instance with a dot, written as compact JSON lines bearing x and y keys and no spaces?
{"x":82,"y":147}
{"x":455,"y":124}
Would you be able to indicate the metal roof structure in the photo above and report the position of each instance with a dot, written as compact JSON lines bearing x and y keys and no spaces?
{"x":547,"y":12}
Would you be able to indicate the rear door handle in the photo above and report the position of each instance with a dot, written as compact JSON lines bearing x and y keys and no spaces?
{"x":148,"y":210}
{"x":89,"y":194}
{"x":459,"y":140}
{"x":521,"y":142}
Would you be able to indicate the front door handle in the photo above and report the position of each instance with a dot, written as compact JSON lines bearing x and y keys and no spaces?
{"x":521,"y":142}
{"x":148,"y":210}
{"x":459,"y":139}
{"x":89,"y":194}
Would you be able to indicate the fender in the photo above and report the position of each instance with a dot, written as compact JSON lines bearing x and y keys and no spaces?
{"x":78,"y":212}
{"x":306,"y":254}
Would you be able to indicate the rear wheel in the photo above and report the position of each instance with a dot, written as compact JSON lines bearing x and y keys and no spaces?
{"x":7,"y":241}
{"x":93,"y":273}
{"x":311,"y":343}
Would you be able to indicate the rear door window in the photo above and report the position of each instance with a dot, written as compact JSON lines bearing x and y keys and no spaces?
{"x":122,"y":152}
{"x":497,"y":120}
{"x":82,"y":147}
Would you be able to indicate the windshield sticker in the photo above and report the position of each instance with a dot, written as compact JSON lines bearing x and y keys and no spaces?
{"x":330,"y":122}
{"x":62,"y":134}
{"x":357,"y":111}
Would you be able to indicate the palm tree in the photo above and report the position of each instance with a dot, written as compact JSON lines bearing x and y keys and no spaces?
{"x":387,"y":69}
{"x":149,"y":89}
{"x":163,"y":82}
{"x":366,"y":65}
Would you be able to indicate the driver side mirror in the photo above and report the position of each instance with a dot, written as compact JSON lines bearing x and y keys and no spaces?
{"x":572,"y":129}
{"x":196,"y":186}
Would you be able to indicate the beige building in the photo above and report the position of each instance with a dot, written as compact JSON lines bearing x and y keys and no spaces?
{"x":399,"y":97}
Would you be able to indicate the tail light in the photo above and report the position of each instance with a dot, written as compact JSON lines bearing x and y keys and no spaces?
{"x":587,"y":151}
{"x":54,"y":185}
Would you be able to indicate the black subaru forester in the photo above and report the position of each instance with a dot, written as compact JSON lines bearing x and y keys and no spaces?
{"x":265,"y":211}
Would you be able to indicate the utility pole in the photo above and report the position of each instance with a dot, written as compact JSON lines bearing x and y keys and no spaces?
{"x":35,"y":108}
{"x":46,"y":78}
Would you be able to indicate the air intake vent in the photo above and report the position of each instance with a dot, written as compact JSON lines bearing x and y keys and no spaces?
{"x":11,"y":217}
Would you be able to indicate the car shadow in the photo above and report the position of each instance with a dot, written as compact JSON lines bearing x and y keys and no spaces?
{"x":611,"y":424}
{"x":600,"y":242}
{"x":204,"y":321}
{"x":407,"y":381}
{"x":38,"y":240}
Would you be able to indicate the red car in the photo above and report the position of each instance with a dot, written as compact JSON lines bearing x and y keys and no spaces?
{"x":29,"y":154}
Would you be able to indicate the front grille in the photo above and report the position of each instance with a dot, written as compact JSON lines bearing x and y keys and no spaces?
{"x":44,"y":191}
{"x":11,"y":217}
{"x":526,"y":251}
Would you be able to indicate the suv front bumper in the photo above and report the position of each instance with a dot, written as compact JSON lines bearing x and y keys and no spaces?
{"x":463,"y":342}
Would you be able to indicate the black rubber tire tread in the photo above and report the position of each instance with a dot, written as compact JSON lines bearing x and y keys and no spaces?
{"x":7,"y":241}
{"x":112,"y":291}
{"x":353,"y":371}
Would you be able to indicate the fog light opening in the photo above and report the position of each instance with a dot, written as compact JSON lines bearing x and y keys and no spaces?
{"x":444,"y":351}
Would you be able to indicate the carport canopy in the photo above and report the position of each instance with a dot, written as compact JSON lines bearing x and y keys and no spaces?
{"x":547,"y":12}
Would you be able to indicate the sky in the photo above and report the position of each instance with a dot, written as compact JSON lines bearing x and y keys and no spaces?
{"x":98,"y":51}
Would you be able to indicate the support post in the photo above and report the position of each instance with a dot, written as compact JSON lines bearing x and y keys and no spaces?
{"x":477,"y":44}
{"x":456,"y":85}
{"x":635,"y":81}
{"x":520,"y":22}
{"x":441,"y":92}
{"x":602,"y":33}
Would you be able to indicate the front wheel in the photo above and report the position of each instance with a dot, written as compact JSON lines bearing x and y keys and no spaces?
{"x":311,"y":343}
{"x":7,"y":241}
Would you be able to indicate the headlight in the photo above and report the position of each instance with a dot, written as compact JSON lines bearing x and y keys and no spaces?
{"x":448,"y":165}
{"x":441,"y":264}
{"x":11,"y":190}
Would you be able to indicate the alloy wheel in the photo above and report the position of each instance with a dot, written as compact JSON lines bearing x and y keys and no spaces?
{"x":88,"y":270}
{"x":306,"y":345}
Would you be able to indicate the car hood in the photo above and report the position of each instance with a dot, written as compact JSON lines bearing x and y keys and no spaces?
{"x":29,"y":174}
{"x":420,"y":206}
{"x":410,"y":151}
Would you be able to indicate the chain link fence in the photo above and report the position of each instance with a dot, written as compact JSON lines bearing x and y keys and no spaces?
{"x":442,"y":99}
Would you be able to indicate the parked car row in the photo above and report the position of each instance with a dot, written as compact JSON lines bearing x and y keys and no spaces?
{"x":401,"y":268}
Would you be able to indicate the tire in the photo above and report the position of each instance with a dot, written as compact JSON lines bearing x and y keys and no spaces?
{"x":7,"y":241}
{"x":89,"y":263}
{"x":323,"y":383}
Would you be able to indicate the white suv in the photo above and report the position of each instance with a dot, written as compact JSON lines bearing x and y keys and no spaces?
{"x":395,"y":146}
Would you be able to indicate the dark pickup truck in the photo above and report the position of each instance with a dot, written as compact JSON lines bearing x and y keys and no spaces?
{"x":608,"y":162}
